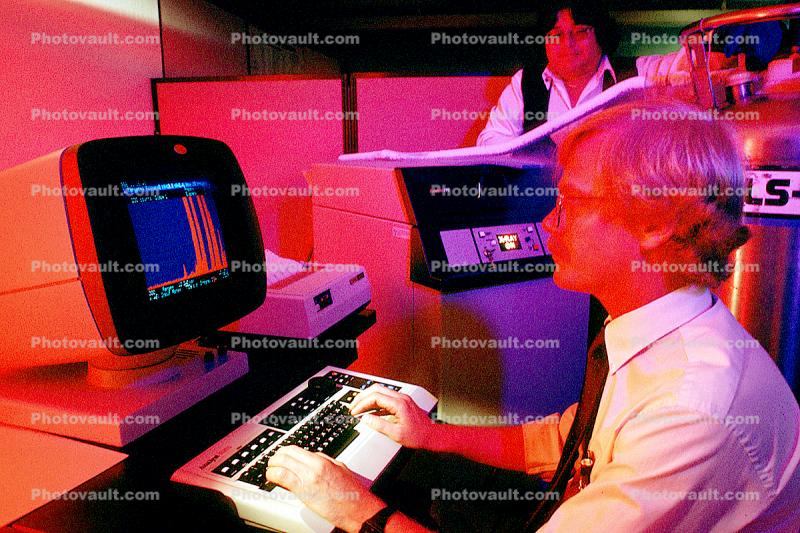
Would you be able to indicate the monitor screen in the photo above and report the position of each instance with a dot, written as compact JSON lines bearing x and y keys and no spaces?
{"x":178,"y":231}
{"x":192,"y":254}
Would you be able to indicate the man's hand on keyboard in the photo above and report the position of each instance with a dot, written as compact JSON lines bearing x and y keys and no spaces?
{"x":325,"y":485}
{"x":410,"y":426}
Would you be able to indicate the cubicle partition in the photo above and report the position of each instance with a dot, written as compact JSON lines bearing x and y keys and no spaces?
{"x":414,"y":113}
{"x":277,"y":126}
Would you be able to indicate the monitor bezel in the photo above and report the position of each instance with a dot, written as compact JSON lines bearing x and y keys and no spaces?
{"x":103,"y":234}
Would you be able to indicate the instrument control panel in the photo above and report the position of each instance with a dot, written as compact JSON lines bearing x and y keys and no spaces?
{"x":489,"y":244}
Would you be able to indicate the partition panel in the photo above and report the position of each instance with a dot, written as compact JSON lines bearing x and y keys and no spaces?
{"x":277,"y":126}
{"x":423,"y":113}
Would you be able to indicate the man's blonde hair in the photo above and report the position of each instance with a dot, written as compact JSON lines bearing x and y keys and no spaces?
{"x":664,"y":161}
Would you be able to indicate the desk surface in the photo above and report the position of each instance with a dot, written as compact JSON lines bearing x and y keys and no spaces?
{"x":154,"y":457}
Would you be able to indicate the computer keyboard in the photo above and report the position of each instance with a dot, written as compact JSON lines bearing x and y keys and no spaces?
{"x":314,"y":415}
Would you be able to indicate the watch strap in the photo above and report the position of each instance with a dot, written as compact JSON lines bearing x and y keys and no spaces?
{"x":377,"y":523}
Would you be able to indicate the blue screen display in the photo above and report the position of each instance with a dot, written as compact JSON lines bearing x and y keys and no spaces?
{"x":178,"y":234}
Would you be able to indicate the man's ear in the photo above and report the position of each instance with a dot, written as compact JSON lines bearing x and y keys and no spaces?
{"x":654,"y":234}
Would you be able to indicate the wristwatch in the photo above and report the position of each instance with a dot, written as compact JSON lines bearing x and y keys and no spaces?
{"x":377,"y":524}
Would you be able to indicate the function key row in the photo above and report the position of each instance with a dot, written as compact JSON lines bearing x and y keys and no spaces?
{"x":247,"y":453}
{"x":355,"y":382}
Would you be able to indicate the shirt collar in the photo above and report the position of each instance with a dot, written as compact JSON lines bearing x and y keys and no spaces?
{"x":605,"y":65}
{"x":629,"y":334}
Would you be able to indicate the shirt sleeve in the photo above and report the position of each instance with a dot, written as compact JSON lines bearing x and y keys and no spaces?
{"x":662,"y":463}
{"x":544,"y":440}
{"x":505,"y":120}
{"x":667,"y":69}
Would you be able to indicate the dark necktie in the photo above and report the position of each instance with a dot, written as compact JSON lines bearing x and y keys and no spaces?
{"x":608,"y":80}
{"x":580,"y":432}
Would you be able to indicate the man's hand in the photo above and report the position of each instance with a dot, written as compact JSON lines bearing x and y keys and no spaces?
{"x":325,"y":485}
{"x":409,"y":425}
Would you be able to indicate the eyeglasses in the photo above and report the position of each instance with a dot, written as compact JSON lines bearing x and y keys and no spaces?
{"x":580,"y":33}
{"x":560,"y":204}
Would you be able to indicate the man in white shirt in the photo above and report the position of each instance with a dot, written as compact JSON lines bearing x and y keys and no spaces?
{"x":695,"y":428}
{"x":581,"y":36}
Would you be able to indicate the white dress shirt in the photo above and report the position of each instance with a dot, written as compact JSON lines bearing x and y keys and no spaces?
{"x":506,"y":118}
{"x":697,"y":430}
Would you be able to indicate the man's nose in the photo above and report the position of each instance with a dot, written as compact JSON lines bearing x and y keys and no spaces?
{"x":549,"y":223}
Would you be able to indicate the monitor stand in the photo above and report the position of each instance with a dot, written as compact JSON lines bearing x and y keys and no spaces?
{"x":66,"y":400}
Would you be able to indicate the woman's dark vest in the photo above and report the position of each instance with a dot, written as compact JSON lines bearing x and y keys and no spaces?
{"x":536,"y":97}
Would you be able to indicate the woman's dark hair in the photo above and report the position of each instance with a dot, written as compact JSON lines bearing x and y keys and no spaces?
{"x":593,"y":14}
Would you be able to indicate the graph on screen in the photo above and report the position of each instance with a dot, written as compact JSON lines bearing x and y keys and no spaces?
{"x":178,"y":233}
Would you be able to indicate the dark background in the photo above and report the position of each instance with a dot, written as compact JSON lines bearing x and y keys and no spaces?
{"x":395,"y":35}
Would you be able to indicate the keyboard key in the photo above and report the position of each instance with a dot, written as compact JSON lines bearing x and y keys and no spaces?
{"x":349,"y":397}
{"x":298,"y":408}
{"x":239,"y":460}
{"x":267,"y":486}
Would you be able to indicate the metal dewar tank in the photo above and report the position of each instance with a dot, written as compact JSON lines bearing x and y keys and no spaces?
{"x":767,"y":301}
{"x":763,"y":293}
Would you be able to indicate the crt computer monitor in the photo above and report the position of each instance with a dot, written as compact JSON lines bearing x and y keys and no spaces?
{"x":115,"y":252}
